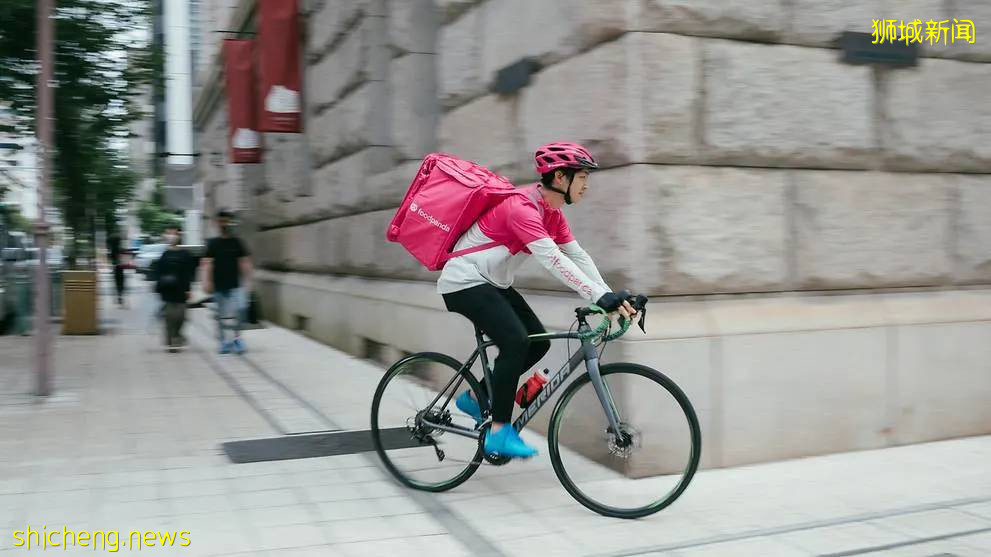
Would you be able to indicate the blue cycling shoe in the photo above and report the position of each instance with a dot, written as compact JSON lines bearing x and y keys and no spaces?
{"x":469,"y":406}
{"x":507,"y":443}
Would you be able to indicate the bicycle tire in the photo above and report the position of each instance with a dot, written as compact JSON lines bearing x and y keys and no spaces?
{"x":391,"y":373}
{"x":553,"y":440}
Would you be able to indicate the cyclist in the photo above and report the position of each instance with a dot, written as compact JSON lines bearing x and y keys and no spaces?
{"x":479,"y":285}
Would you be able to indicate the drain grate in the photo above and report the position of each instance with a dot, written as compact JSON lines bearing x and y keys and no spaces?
{"x":314,"y":445}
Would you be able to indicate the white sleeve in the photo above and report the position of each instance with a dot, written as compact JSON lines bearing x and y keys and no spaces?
{"x":565,"y":270}
{"x":584,"y":262}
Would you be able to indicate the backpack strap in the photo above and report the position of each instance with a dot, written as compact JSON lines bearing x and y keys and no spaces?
{"x":492,"y":244}
{"x":474,"y":249}
{"x":535,"y":197}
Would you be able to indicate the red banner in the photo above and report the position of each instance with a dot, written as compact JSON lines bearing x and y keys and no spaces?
{"x":279,"y":71}
{"x":243,"y":136}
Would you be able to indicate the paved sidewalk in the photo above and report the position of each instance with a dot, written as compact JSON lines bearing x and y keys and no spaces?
{"x":131,"y":441}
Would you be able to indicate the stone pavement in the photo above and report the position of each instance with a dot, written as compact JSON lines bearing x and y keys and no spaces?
{"x":131,"y":441}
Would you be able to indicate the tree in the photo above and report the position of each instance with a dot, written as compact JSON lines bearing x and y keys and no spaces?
{"x":15,"y":220}
{"x":100,"y":62}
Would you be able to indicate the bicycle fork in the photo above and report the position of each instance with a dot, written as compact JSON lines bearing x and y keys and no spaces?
{"x":602,"y":390}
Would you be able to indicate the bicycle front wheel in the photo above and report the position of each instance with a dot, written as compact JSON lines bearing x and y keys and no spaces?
{"x":642,"y":468}
{"x":405,"y":410}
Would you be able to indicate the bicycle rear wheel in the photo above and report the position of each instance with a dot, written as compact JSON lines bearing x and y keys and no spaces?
{"x":641,"y":469}
{"x":418,"y":455}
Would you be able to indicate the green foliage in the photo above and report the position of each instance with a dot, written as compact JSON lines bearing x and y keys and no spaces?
{"x":100,"y":65}
{"x":15,"y":221}
{"x":154,"y":217}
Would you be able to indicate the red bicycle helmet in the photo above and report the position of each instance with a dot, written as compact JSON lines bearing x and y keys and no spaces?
{"x":562,"y":154}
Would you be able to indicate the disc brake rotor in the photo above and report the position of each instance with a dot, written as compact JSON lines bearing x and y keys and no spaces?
{"x":623,"y":445}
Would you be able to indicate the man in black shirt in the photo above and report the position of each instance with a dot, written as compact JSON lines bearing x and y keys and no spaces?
{"x":174,"y":276}
{"x":227,"y":274}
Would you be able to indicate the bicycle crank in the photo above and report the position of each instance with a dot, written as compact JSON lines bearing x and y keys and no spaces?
{"x":494,"y":460}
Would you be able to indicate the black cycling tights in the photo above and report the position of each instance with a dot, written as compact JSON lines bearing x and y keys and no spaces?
{"x":506,"y":318}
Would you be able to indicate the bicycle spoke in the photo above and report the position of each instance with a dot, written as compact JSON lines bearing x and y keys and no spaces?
{"x":459,"y":465}
{"x":412,"y":403}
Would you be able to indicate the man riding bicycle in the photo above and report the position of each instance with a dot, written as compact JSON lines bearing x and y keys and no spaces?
{"x":478,"y":285}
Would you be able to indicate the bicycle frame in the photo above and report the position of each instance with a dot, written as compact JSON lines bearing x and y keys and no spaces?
{"x":586,"y":353}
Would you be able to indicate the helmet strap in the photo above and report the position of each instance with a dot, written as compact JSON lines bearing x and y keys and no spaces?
{"x":566,"y":193}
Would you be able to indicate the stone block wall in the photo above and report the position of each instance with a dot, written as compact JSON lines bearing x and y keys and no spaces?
{"x":741,"y":156}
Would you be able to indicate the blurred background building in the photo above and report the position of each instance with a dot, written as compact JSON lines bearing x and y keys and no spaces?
{"x":19,"y":178}
{"x":141,"y":150}
{"x":176,"y":31}
{"x":18,"y":171}
{"x":816,"y":234}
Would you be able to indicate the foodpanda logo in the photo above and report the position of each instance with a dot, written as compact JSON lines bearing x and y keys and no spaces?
{"x":428,"y":217}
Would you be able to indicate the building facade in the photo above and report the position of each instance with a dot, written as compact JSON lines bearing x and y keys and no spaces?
{"x":19,"y":171}
{"x":177,"y":31}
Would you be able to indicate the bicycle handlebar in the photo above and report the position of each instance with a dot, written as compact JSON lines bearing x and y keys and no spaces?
{"x":639,"y":303}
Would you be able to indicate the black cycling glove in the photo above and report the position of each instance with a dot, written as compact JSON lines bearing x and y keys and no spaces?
{"x":611,"y":301}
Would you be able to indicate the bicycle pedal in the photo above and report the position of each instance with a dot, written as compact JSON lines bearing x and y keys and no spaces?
{"x":496,"y":460}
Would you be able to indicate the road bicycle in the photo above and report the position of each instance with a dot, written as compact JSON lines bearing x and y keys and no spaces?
{"x":624,"y":439}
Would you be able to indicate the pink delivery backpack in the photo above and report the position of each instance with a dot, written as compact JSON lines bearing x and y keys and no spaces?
{"x":446,"y":197}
